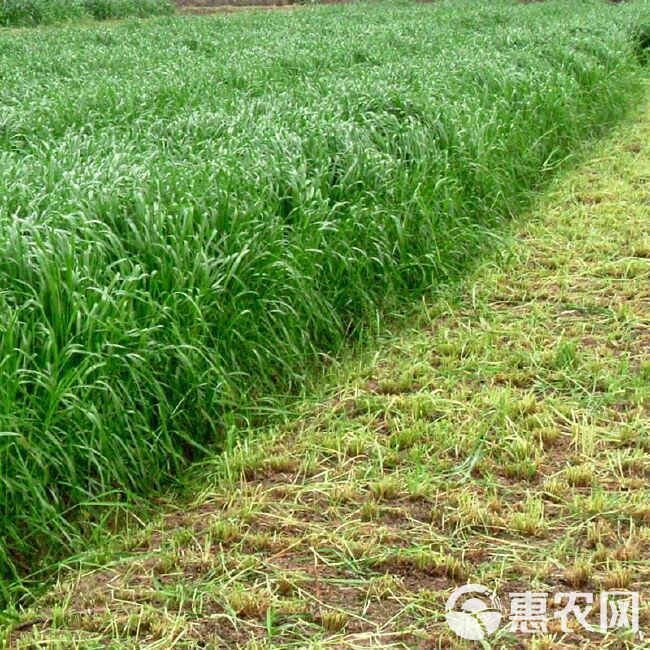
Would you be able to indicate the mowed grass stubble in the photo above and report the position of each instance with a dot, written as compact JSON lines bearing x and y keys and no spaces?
{"x":193,"y":210}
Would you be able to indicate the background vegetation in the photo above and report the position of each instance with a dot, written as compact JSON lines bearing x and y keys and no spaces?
{"x":21,"y":13}
{"x":193,"y":211}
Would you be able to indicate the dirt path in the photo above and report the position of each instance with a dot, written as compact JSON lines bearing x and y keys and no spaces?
{"x":502,"y":440}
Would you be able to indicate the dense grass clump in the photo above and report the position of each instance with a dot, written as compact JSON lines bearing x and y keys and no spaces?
{"x":109,"y":9}
{"x":21,"y":13}
{"x":192,"y":211}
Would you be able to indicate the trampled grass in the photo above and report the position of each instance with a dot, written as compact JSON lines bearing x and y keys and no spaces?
{"x":193,"y":212}
{"x":501,"y":437}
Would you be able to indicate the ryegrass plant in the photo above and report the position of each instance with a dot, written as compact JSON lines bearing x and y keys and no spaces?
{"x":193,"y":210}
{"x":442,"y":456}
{"x":21,"y":13}
{"x":112,"y":9}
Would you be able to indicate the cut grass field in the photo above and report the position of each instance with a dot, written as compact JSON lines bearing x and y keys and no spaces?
{"x":500,"y":437}
{"x":195,"y":213}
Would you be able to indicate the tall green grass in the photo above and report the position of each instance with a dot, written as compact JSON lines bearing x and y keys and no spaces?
{"x":21,"y":13}
{"x":110,"y":9}
{"x":192,"y":211}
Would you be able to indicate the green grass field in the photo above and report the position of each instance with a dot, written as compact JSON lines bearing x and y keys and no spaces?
{"x":500,"y":436}
{"x":29,"y":13}
{"x":195,"y":213}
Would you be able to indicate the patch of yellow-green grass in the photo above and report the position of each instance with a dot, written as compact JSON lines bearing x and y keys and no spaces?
{"x":503,"y":439}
